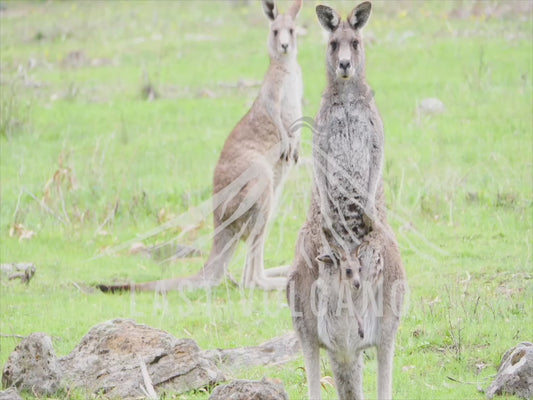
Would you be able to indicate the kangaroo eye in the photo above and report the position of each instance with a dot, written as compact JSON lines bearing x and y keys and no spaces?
{"x":355,"y":43}
{"x":275,"y":32}
{"x":334,"y":45}
{"x":291,"y":31}
{"x":360,"y":269}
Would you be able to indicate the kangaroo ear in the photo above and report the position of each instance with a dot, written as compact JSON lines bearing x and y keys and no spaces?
{"x":360,"y":14}
{"x":328,"y":17}
{"x":325,"y":258}
{"x":270,"y":9}
{"x":296,"y":6}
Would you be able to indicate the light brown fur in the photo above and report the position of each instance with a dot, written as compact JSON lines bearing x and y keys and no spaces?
{"x":252,"y":166}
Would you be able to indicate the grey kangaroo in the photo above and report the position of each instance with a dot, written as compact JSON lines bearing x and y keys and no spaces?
{"x":346,"y":231}
{"x":254,"y":162}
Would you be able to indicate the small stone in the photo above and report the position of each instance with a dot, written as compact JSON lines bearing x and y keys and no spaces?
{"x":33,"y":366}
{"x":246,"y":390}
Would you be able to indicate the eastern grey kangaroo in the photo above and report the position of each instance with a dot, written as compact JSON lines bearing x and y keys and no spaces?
{"x":346,"y":227}
{"x":252,"y":167}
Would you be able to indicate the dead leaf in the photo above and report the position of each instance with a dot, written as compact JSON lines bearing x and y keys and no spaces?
{"x":417,"y":332}
{"x":480,"y":367}
{"x":407,"y":368}
{"x":326,"y":381}
{"x":137,"y":248}
{"x":18,"y":230}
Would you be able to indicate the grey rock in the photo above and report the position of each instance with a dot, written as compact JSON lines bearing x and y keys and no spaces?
{"x":22,"y":271}
{"x":250,"y":390}
{"x":107,"y":361}
{"x":515,"y":374}
{"x":33,"y":366}
{"x":276,"y":351}
{"x":10,"y":394}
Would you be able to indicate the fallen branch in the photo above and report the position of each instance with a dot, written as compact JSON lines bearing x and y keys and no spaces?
{"x":3,"y":335}
{"x":148,"y":388}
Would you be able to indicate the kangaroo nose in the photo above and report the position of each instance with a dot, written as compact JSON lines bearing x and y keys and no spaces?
{"x":356,"y":284}
{"x":285,"y":46}
{"x":344,"y":64}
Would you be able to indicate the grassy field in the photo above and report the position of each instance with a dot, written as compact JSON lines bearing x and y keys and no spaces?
{"x":90,"y":166}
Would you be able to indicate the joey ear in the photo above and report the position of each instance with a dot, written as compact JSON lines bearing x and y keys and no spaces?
{"x":325,"y":258}
{"x":270,"y":9}
{"x":296,"y":6}
{"x":328,"y":17}
{"x":359,"y":16}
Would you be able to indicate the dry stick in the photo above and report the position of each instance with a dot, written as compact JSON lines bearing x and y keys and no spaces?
{"x":470,"y":383}
{"x":15,"y":214}
{"x":148,"y":388}
{"x":110,"y":215}
{"x":63,"y":203}
{"x":3,"y":335}
{"x":45,"y":207}
{"x":82,"y":290}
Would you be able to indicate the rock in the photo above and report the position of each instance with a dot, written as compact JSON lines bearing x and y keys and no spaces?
{"x":250,"y":390}
{"x":22,"y":271}
{"x":10,"y":394}
{"x":430,"y":105}
{"x":276,"y":351}
{"x":33,"y":366}
{"x":110,"y":358}
{"x":106,"y":361}
{"x":515,"y":374}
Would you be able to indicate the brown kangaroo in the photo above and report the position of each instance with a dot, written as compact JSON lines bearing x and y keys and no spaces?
{"x":252,"y":167}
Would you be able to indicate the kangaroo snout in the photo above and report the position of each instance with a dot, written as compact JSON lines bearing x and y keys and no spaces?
{"x":285,"y":47}
{"x":344,"y":65}
{"x":345,"y":69}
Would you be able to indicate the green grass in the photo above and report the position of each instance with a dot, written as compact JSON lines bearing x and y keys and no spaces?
{"x":459,"y":184}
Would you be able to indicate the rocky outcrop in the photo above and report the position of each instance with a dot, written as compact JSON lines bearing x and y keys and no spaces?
{"x":123,"y":359}
{"x":515,"y":374}
{"x":109,"y":359}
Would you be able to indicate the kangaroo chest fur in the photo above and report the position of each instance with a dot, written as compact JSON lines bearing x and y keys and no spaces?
{"x":291,"y":99}
{"x":348,"y":138}
{"x":340,"y":310}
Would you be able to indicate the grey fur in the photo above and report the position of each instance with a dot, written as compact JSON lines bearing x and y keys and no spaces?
{"x":348,"y":219}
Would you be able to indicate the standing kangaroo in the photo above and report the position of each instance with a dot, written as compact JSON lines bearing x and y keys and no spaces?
{"x":252,"y":167}
{"x":346,"y":234}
